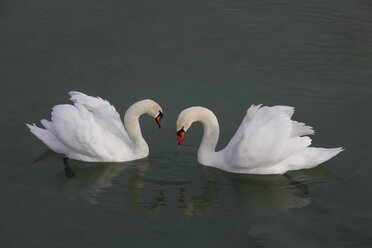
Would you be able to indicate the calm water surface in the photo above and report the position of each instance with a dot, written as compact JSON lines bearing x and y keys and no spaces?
{"x":224,"y":55}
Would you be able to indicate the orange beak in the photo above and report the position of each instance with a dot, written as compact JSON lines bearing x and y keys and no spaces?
{"x":180,"y":138}
{"x":181,"y":135}
{"x":158,"y":118}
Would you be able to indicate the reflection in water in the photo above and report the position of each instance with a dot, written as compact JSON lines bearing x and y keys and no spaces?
{"x":91,"y":179}
{"x":256,"y":195}
{"x":299,"y":185}
{"x":48,"y":154}
{"x":151,"y":208}
{"x":266,"y":195}
{"x":198,"y":205}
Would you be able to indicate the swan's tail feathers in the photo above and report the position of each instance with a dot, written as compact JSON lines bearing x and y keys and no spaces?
{"x":48,"y":138}
{"x":300,"y":129}
{"x":311,"y":157}
{"x":334,"y":151}
{"x":325,"y":154}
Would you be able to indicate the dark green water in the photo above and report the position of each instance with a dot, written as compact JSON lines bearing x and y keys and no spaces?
{"x":224,"y":55}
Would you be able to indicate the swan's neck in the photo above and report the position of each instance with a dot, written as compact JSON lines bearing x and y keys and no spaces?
{"x":211,"y":132}
{"x":131,"y":123}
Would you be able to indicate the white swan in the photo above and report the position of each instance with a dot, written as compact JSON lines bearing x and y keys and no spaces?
{"x":91,"y":129}
{"x":267,"y":141}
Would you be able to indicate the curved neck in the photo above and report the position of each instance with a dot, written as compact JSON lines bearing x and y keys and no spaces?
{"x":211,"y":132}
{"x":131,"y":123}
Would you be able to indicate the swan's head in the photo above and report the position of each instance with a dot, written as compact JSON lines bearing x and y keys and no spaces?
{"x":151,"y":108}
{"x":158,"y":118}
{"x":157,"y":112}
{"x":194,"y":114}
{"x":184,"y":121}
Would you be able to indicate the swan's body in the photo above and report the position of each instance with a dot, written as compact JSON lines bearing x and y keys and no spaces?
{"x":91,"y":130}
{"x":267,"y":141}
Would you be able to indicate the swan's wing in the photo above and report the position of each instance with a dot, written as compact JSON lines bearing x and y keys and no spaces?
{"x":264,"y":137}
{"x":104,"y":114}
{"x":78,"y":130}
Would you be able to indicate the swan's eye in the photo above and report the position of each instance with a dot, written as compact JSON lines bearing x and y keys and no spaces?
{"x":160,"y":114}
{"x":180,"y":131}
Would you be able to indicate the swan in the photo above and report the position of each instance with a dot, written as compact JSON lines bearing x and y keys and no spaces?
{"x":91,"y":129}
{"x":267,"y":141}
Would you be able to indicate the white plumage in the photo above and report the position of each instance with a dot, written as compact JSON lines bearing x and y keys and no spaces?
{"x":91,"y":130}
{"x":267,"y":141}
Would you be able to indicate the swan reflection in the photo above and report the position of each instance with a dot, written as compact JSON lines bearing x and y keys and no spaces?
{"x":254,"y":195}
{"x":266,"y":195}
{"x":91,"y":180}
{"x":205,"y":202}
{"x":94,"y":178}
{"x":151,"y":208}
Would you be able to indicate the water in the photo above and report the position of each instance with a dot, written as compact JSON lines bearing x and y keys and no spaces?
{"x":224,"y":55}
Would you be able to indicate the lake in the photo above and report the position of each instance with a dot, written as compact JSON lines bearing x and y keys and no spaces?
{"x":224,"y":55}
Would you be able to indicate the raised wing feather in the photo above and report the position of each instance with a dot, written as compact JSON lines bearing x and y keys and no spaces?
{"x":300,"y":129}
{"x":264,"y":137}
{"x":103,"y":113}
